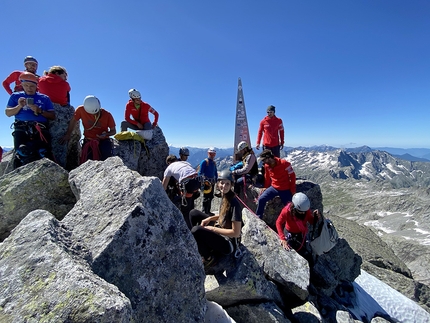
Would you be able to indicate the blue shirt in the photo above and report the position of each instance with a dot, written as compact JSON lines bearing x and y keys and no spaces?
{"x":208,"y":168}
{"x":26,"y":114}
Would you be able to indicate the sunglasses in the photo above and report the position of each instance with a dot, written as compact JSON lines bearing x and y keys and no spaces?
{"x":299,"y":212}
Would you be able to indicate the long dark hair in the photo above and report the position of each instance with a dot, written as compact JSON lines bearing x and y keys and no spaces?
{"x":225,"y":206}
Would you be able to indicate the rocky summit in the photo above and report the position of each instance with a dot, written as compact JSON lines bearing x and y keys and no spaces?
{"x":103,"y":243}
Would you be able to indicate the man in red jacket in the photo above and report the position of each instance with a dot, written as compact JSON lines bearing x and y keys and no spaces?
{"x":279,"y":180}
{"x":30,"y":64}
{"x":136,"y":113}
{"x":273,"y":131}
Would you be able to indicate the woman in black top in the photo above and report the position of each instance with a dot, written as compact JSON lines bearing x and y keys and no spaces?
{"x":215,"y":234}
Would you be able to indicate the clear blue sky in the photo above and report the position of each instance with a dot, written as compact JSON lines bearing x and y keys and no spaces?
{"x":342,"y":73}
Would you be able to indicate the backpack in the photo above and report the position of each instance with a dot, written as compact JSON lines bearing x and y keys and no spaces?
{"x":323,"y":236}
{"x":128,"y":135}
{"x":198,"y":166}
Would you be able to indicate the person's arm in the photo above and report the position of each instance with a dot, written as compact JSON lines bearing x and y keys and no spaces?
{"x":259,"y":134}
{"x":213,"y":218}
{"x":234,"y":232}
{"x":47,"y":114}
{"x":155,"y":113}
{"x":202,"y":167}
{"x":280,"y":222}
{"x":107,"y":134}
{"x":281,"y":134}
{"x":9,"y":80}
{"x":165,"y":182}
{"x":249,"y":163}
{"x":11,"y":111}
{"x":267,"y":179}
{"x":127,"y":114}
{"x":72,"y":125}
{"x":292,"y":177}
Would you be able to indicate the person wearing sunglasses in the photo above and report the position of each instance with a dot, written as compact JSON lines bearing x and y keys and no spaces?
{"x":292,"y":224}
{"x":279,"y":180}
{"x":272,"y":131}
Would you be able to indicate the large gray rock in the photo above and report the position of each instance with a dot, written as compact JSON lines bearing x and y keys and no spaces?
{"x":148,"y":158}
{"x":42,"y":184}
{"x":240,"y":283}
{"x":138,"y":240}
{"x":286,"y":268}
{"x":257,"y":313}
{"x":45,"y":277}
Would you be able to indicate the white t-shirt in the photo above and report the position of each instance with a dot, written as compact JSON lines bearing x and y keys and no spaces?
{"x":179,"y":170}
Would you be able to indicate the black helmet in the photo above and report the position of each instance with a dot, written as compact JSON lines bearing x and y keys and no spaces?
{"x":184,"y":151}
{"x":226,"y":174}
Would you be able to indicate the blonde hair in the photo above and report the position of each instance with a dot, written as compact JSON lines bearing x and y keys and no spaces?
{"x":57,"y":70}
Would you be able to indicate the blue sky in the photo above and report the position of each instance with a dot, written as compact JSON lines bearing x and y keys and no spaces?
{"x":342,"y":73}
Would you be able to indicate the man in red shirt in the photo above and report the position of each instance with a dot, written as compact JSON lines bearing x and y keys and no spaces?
{"x":136,"y":113}
{"x":279,"y":178}
{"x":98,"y":125}
{"x":273,"y":130}
{"x":30,"y":64}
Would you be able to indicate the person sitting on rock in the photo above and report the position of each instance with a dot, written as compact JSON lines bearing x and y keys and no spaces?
{"x":136,"y":113}
{"x":217,"y":235}
{"x":98,"y":126}
{"x":292,"y":224}
{"x":249,"y":168}
{"x":279,"y":180}
{"x":30,"y":64}
{"x":184,"y":153}
{"x":32,"y":110}
{"x":54,"y":84}
{"x":187,"y":179}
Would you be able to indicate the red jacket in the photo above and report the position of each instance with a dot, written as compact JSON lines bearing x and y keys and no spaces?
{"x":55,"y":87}
{"x":273,"y":132}
{"x":13,"y":78}
{"x":141,"y":114}
{"x":291,"y":223}
{"x":281,"y":176}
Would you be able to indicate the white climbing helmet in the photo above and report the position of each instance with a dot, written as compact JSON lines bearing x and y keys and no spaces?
{"x":242,"y":145}
{"x":212,"y":150}
{"x":92,"y":104}
{"x":134,"y":94}
{"x":301,"y":202}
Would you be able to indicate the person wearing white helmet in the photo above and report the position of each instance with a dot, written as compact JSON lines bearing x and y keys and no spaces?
{"x":209,"y":172}
{"x":98,"y":126}
{"x":216,"y":235}
{"x":136,"y":113}
{"x":184,"y":153}
{"x":292,"y":223}
{"x":248,"y":166}
{"x":30,"y":64}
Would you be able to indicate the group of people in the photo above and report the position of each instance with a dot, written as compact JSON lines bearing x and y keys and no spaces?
{"x":45,"y":120}
{"x":218,"y":234}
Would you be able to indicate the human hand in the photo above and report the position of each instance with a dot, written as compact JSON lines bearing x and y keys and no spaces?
{"x":257,"y":147}
{"x":140,"y":126}
{"x":317,"y":213}
{"x":21,"y":102}
{"x":281,"y":147}
{"x":103,"y":135}
{"x":205,"y":222}
{"x":34,"y":108}
{"x":154,"y":125}
{"x":285,"y":245}
{"x":64,"y":139}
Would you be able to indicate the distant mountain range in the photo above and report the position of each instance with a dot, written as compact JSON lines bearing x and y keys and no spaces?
{"x":411,"y":154}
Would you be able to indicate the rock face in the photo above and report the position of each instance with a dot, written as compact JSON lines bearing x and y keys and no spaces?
{"x":45,"y":277}
{"x":39,"y":185}
{"x":138,"y":240}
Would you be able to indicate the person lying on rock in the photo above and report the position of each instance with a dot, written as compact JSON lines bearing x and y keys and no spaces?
{"x":292,"y":224}
{"x":217,"y":235}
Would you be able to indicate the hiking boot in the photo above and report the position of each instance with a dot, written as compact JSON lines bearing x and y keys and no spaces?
{"x":210,"y":262}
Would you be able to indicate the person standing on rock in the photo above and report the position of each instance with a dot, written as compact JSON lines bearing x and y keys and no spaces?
{"x":32,"y":110}
{"x":98,"y":126}
{"x":292,"y":224}
{"x":272,"y":131}
{"x":279,"y":180}
{"x":184,"y":153}
{"x":209,"y":173}
{"x":187,"y":180}
{"x":217,"y":235}
{"x":30,"y":64}
{"x":54,"y":84}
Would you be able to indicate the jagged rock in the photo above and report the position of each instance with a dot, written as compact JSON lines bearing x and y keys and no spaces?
{"x":286,"y":268}
{"x":379,"y":320}
{"x":149,"y":158}
{"x":42,"y":184}
{"x":216,"y":314}
{"x":45,"y":277}
{"x":138,"y":240}
{"x":57,"y":129}
{"x":74,"y":148}
{"x":307,"y":313}
{"x":244,"y":282}
{"x":252,"y":313}
{"x":369,"y":246}
{"x":339,"y":264}
{"x":345,"y":317}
